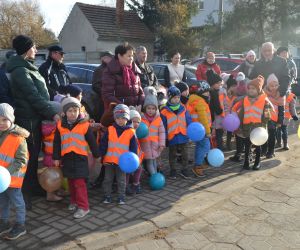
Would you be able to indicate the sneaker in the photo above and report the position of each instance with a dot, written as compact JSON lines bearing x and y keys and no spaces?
{"x":198,"y":171}
{"x":138,"y":189}
{"x":107,"y":199}
{"x":173,"y":174}
{"x":80,"y":213}
{"x":121,"y":200}
{"x":17,"y":231}
{"x":256,"y":166}
{"x":185,"y":174}
{"x":72,"y":207}
{"x":4,"y":227}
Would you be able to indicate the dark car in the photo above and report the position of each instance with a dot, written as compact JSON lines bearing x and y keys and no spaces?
{"x":81,"y":74}
{"x":226,"y":64}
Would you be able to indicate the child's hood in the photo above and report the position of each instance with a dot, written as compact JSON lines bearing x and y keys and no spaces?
{"x":19,"y":131}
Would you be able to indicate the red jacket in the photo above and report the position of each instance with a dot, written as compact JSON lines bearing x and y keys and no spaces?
{"x":114,"y":89}
{"x":203,"y":67}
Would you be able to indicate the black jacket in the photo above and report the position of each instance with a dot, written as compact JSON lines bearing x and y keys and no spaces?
{"x":74,"y":165}
{"x":55,"y":76}
{"x":247,"y":68}
{"x":214,"y":104}
{"x":5,"y":92}
{"x":147,"y":75}
{"x":277,"y":66}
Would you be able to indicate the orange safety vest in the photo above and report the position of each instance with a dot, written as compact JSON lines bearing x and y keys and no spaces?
{"x":253,"y":112}
{"x":117,"y":145}
{"x":48,"y":143}
{"x":8,"y":151}
{"x":222,"y":100}
{"x":176,"y":124}
{"x":153,"y":129}
{"x":207,"y":109}
{"x":274,"y":113}
{"x":192,"y":112}
{"x":74,"y":140}
{"x":140,"y":153}
{"x":229,"y":101}
{"x":287,"y":113}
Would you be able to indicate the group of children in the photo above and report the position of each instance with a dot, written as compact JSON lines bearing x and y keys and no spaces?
{"x":68,"y":143}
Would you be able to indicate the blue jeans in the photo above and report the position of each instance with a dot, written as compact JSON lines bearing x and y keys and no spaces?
{"x":12,"y":196}
{"x":201,"y":150}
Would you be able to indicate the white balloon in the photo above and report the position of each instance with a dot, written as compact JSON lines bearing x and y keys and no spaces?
{"x":259,"y":136}
{"x":5,"y":179}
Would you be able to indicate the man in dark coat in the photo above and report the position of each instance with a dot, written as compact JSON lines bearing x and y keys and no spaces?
{"x":54,"y":71}
{"x":283,"y":52}
{"x":5,"y":92}
{"x":147,"y":75}
{"x":271,"y":63}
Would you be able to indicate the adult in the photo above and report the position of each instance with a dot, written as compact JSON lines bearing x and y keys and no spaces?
{"x":283,"y":52}
{"x":270,"y":63}
{"x":105,"y":58}
{"x":147,"y":75}
{"x":120,"y":81}
{"x":32,"y":105}
{"x":54,"y":71}
{"x":5,"y":92}
{"x":174,"y":72}
{"x":247,"y":66}
{"x":209,"y":63}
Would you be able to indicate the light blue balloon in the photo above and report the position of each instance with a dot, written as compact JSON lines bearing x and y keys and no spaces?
{"x":157,"y":181}
{"x":129,"y":162}
{"x":5,"y":179}
{"x":142,"y":131}
{"x":196,"y":131}
{"x":215,"y":157}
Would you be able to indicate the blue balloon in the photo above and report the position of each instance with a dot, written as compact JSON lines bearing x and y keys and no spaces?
{"x":142,"y":131}
{"x":215,"y":157}
{"x":5,"y":179}
{"x":157,"y":181}
{"x":196,"y":131}
{"x":129,"y":162}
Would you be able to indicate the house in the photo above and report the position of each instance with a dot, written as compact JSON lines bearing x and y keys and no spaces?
{"x":90,"y":29}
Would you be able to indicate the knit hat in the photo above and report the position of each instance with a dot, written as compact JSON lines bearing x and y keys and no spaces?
{"x":22,"y":44}
{"x":258,"y":83}
{"x":281,"y":49}
{"x":107,"y":119}
{"x":7,"y":111}
{"x":134,"y":113}
{"x":173,"y":91}
{"x":69,"y":102}
{"x":231,"y":82}
{"x":212,"y":77}
{"x":182,"y":86}
{"x":122,"y":111}
{"x":272,"y":78}
{"x":203,"y":87}
{"x":225,"y":77}
{"x":250,"y":53}
{"x":73,"y":90}
{"x":240,"y":77}
{"x":150,"y":97}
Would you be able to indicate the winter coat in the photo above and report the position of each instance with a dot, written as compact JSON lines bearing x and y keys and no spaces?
{"x":5,"y":92}
{"x":179,"y":138}
{"x":167,"y":79}
{"x":74,"y":165}
{"x":97,"y":78}
{"x":30,"y":95}
{"x":147,"y":75}
{"x":55,"y":75}
{"x":21,"y":156}
{"x":246,"y":67}
{"x":203,"y":67}
{"x":48,"y":128}
{"x":201,"y":111}
{"x":278,"y":66}
{"x":214,"y":104}
{"x":150,"y":148}
{"x":114,"y":89}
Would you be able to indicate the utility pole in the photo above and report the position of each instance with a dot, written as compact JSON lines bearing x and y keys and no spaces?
{"x":221,"y":23}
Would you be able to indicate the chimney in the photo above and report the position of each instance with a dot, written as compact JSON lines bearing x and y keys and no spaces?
{"x":120,"y":12}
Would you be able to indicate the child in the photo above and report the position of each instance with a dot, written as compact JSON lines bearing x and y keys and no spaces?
{"x":118,"y":134}
{"x":289,"y":113}
{"x":199,"y":103}
{"x":72,"y":138}
{"x":217,"y":97}
{"x":155,"y":142}
{"x":254,"y":112}
{"x":76,"y":92}
{"x":184,"y":90}
{"x":135,"y":188}
{"x":277,"y":117}
{"x":13,"y":148}
{"x":176,"y":118}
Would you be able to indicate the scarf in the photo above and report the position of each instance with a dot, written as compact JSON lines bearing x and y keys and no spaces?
{"x":149,"y":118}
{"x":129,"y":77}
{"x":174,"y":107}
{"x":184,"y":99}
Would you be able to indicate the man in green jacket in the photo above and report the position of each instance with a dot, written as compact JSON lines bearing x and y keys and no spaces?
{"x":31,"y":105}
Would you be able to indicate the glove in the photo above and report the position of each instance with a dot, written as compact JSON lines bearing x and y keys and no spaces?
{"x":295,"y":118}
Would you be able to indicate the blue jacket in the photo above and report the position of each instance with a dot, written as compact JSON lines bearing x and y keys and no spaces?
{"x":179,"y":138}
{"x":133,"y":147}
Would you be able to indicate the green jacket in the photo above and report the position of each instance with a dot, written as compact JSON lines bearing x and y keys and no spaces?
{"x":22,"y":152}
{"x":30,"y":93}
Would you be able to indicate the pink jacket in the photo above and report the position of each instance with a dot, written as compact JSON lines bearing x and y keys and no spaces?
{"x":150,"y":148}
{"x":48,"y":128}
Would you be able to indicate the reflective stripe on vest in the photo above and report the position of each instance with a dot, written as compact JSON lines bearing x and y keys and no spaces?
{"x":74,"y":140}
{"x":192,"y":112}
{"x":48,"y":143}
{"x":229,"y":101}
{"x":193,"y":106}
{"x":8,"y":151}
{"x":117,"y":145}
{"x":253,"y":112}
{"x":287,"y":113}
{"x":274,"y":113}
{"x":140,"y":153}
{"x":176,"y":124}
{"x":153,"y":129}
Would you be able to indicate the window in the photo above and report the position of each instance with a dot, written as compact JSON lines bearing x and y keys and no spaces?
{"x":83,"y":48}
{"x":200,"y":5}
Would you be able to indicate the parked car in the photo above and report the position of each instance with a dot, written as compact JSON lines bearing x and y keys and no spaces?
{"x":226,"y":64}
{"x":81,"y":74}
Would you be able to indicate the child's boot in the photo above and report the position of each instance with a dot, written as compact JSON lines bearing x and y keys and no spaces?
{"x":246,"y":165}
{"x":198,"y":171}
{"x":285,"y":145}
{"x":256,"y":165}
